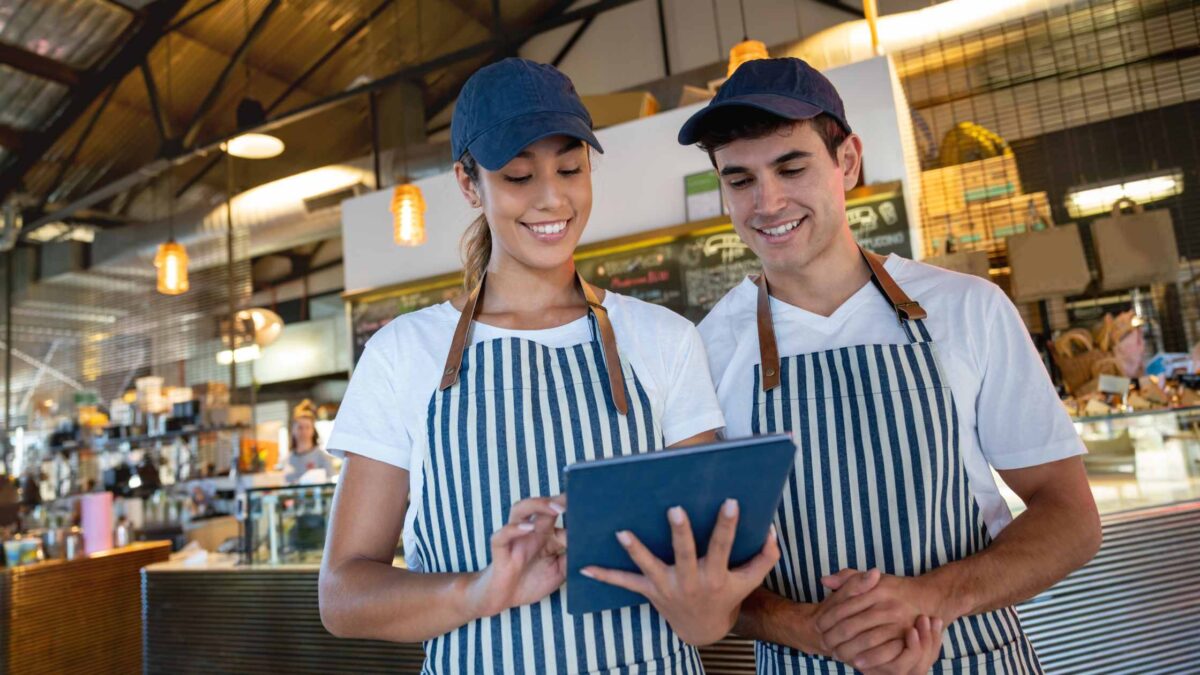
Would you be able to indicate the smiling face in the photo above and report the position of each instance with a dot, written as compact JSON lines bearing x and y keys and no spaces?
{"x":536,"y":205}
{"x":786,"y":194}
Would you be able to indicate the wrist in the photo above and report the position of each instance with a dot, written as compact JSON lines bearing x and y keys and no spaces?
{"x":469,"y":589}
{"x":804,"y":628}
{"x":947,"y":599}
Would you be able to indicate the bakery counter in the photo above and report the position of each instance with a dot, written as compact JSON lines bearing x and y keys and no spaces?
{"x":75,"y":616}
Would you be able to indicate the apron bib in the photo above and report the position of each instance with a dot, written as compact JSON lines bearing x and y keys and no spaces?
{"x":509,"y":416}
{"x":879,"y":481}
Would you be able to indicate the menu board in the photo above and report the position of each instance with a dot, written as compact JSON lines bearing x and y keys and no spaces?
{"x":687,"y":271}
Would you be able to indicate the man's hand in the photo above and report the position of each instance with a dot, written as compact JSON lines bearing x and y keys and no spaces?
{"x":700,"y":599}
{"x":920,"y":650}
{"x":851,"y":626}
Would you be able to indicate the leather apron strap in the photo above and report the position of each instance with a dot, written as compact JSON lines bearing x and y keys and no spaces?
{"x":905,"y":307}
{"x":608,"y":342}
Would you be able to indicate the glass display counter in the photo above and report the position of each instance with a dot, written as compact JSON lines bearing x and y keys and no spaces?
{"x":284,"y":525}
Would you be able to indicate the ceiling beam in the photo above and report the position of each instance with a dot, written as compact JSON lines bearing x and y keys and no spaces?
{"x":41,"y":66}
{"x":69,"y":161}
{"x":469,"y":8}
{"x":836,"y":4}
{"x":12,"y":139}
{"x":214,"y":93}
{"x":484,"y":48}
{"x":133,"y":52}
{"x":185,"y":19}
{"x":161,"y":121}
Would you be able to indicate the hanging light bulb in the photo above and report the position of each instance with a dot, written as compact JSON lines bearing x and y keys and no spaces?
{"x":408,"y":215}
{"x":746,"y":50}
{"x":172,"y":262}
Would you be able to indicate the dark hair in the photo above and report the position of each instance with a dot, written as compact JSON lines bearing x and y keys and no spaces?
{"x":726,"y":125}
{"x":477,"y":240}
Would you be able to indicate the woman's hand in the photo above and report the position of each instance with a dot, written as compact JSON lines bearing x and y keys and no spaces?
{"x":699,"y":598}
{"x":527,"y":559}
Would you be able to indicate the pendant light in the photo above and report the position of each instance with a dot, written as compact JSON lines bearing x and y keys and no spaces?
{"x":172,"y":258}
{"x":250,"y":114}
{"x":408,"y":204}
{"x":747,"y":49}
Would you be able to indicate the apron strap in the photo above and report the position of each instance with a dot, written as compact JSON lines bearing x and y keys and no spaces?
{"x":608,"y":342}
{"x":907,"y":310}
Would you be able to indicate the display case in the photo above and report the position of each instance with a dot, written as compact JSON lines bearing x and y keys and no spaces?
{"x":1142,"y":458}
{"x":284,"y":525}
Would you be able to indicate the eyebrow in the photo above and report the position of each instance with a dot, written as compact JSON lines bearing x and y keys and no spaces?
{"x":782,"y":159}
{"x":570,"y":145}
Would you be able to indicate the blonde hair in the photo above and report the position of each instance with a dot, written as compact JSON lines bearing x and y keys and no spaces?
{"x":476,"y":245}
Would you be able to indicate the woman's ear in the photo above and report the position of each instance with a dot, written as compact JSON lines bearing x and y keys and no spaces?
{"x":467,"y":186}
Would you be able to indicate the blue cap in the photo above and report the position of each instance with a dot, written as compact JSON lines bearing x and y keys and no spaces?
{"x":789,"y":88}
{"x":507,"y":105}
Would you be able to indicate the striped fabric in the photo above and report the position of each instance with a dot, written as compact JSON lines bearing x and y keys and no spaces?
{"x":879,"y":482}
{"x":519,"y":414}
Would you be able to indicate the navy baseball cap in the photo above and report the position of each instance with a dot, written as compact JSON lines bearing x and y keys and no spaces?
{"x":789,"y":88}
{"x":507,"y":105}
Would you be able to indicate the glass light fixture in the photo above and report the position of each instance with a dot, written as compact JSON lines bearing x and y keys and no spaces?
{"x":239,"y":355}
{"x":746,"y":50}
{"x":250,"y":114}
{"x":172,"y":263}
{"x":1097,"y":198}
{"x":408,"y":215}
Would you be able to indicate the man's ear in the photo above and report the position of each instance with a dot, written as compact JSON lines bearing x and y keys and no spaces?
{"x":850,"y":161}
{"x":469,"y":190}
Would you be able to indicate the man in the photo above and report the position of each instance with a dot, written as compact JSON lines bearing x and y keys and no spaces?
{"x":903,"y":385}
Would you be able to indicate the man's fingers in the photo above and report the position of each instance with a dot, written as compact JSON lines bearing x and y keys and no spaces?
{"x":884,"y":653}
{"x":843,"y":610}
{"x":720,"y":544}
{"x":641,"y":556}
{"x":835,"y":581}
{"x":850,"y":650}
{"x":684,"y":543}
{"x":621,"y":579}
{"x":858,"y":633}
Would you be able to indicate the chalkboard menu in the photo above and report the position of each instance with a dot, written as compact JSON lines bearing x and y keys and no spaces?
{"x":878,"y":219}
{"x":686,"y":269}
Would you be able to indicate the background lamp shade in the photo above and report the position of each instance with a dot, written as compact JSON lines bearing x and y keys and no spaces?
{"x":172,"y":264}
{"x":748,"y":50}
{"x":408,"y":215}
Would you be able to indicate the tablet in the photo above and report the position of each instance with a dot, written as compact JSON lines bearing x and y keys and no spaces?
{"x":634,"y":493}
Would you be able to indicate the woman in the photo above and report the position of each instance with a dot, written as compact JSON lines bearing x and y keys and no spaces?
{"x":533,"y":381}
{"x":305,"y":454}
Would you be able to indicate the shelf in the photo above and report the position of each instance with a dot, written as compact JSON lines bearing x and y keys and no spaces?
{"x":1190,"y":410}
{"x":102,"y":443}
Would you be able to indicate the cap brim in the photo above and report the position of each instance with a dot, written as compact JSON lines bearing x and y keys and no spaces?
{"x":497,"y":146}
{"x":784,"y":106}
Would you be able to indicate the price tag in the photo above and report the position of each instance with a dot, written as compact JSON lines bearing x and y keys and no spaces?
{"x":1111,"y":384}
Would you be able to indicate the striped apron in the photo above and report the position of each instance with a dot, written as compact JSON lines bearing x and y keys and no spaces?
{"x":509,"y":416}
{"x":879,"y":481}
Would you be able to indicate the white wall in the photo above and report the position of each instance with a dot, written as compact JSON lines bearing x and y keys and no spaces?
{"x":638,"y":184}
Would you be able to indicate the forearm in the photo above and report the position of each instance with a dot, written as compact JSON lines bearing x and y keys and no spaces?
{"x":769,"y":617}
{"x":374,"y":600}
{"x":1037,"y":550}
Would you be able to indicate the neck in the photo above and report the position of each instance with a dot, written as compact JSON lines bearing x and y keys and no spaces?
{"x":825,"y":282}
{"x":516,"y":289}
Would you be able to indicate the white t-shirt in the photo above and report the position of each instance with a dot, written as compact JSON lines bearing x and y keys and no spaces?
{"x":1009,"y":414}
{"x":383,"y":414}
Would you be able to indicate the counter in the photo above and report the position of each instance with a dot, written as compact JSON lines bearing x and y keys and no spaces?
{"x":75,"y":616}
{"x":1138,"y":601}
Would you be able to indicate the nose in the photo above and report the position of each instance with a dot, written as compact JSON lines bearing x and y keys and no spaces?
{"x":769,"y":197}
{"x":550,"y":196}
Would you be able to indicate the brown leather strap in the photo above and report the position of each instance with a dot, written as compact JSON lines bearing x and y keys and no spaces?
{"x":608,"y":342}
{"x":459,"y":343}
{"x":768,"y":349}
{"x":906,"y":309}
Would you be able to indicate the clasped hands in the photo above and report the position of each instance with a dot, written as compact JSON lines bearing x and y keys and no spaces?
{"x":878,"y":623}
